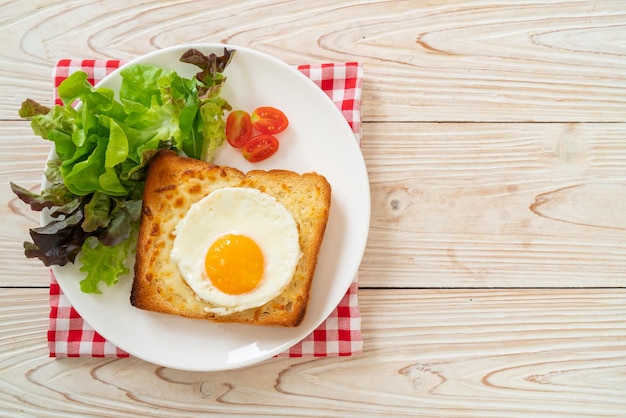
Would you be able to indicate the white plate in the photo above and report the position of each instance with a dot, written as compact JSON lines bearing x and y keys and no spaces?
{"x":318,"y":139}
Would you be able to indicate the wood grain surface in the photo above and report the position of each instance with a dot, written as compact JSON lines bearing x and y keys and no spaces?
{"x":494,"y":279}
{"x":427,"y":352}
{"x":425,"y":61}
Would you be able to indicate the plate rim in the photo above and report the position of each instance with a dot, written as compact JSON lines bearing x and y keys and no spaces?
{"x":57,"y":270}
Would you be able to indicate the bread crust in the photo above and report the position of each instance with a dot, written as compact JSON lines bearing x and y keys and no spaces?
{"x":173,"y":184}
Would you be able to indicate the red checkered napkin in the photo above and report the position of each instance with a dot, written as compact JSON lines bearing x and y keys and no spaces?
{"x":339,"y":335}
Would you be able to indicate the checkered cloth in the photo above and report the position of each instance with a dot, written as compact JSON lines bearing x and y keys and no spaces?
{"x":339,"y":335}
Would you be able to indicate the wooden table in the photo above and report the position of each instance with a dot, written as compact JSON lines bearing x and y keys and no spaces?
{"x":493,"y":282}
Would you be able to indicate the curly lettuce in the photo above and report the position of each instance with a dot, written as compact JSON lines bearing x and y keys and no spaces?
{"x":211,"y":106}
{"x":104,"y":145}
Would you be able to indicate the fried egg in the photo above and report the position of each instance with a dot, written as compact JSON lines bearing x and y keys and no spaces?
{"x":237,"y":248}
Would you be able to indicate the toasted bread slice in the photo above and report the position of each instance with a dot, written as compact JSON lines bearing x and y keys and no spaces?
{"x":173,"y":184}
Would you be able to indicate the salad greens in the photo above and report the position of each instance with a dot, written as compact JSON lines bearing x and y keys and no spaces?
{"x":211,"y":106}
{"x":95,"y":185}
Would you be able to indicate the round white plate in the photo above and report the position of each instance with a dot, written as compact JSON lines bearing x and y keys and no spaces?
{"x":318,"y":139}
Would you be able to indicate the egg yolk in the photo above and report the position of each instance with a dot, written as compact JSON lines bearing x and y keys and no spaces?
{"x":234,"y":264}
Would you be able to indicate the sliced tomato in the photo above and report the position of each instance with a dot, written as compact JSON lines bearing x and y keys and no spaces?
{"x":238,"y":128}
{"x":260,"y":147}
{"x":269,"y":120}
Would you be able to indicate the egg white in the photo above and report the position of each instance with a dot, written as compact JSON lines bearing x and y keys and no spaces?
{"x":244,"y":211}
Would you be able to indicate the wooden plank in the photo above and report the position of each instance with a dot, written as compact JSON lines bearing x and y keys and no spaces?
{"x":453,"y":205}
{"x":496,"y":205}
{"x":22,"y":158}
{"x":457,"y":61}
{"x":530,"y":353}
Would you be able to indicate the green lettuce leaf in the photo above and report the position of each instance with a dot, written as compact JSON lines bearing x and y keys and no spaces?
{"x":104,"y":144}
{"x":102,"y":263}
{"x":97,"y":212}
{"x":211,"y":106}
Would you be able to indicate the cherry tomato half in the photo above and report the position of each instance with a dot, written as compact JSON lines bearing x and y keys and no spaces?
{"x":238,"y":128}
{"x":260,"y":147}
{"x":269,"y":120}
